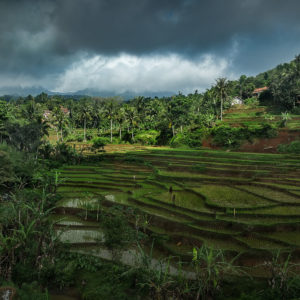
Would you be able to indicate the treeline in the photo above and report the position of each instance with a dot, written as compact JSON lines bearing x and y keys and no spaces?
{"x":142,"y":119}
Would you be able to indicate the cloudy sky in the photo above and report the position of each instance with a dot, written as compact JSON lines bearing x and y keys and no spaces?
{"x":142,"y":45}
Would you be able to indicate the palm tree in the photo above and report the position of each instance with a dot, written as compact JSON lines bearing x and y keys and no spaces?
{"x":131,"y":115}
{"x":120,"y":118}
{"x":84,"y":115}
{"x":221,"y":87}
{"x":60,"y":120}
{"x":110,"y":113}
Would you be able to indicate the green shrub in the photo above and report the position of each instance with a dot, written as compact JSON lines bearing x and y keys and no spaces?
{"x":88,"y":136}
{"x":296,"y":110}
{"x":99,"y":143}
{"x":196,"y":137}
{"x":293,"y":147}
{"x":32,"y":291}
{"x":179,"y":140}
{"x":64,"y":153}
{"x":191,"y":139}
{"x":79,"y":138}
{"x":148,"y":137}
{"x":74,"y":138}
{"x":266,"y":131}
{"x":116,"y":228}
{"x":253,"y":101}
{"x":227,"y":136}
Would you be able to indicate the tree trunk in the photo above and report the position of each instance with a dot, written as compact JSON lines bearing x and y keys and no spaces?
{"x":173,"y":130}
{"x":120,"y":133}
{"x":132,"y":136}
{"x":84,"y":130}
{"x":221,"y":108}
{"x":111,"y":124}
{"x":181,"y":128}
{"x":61,"y":134}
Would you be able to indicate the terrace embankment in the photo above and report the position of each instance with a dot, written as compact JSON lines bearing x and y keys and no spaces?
{"x":242,"y":203}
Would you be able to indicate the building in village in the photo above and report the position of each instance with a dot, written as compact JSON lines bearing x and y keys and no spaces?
{"x":258,"y":91}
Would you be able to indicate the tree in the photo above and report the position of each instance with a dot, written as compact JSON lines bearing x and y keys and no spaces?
{"x":221,"y":87}
{"x":120,"y":118}
{"x":131,"y":115}
{"x":285,"y":86}
{"x":84,"y":114}
{"x":60,"y":121}
{"x":3,"y":118}
{"x":110,"y":112}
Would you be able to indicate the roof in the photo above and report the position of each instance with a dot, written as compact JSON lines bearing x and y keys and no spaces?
{"x":64,"y":110}
{"x":259,"y":90}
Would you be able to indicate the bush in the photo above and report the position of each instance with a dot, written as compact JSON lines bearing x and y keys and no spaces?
{"x":179,"y":140}
{"x":191,"y":139}
{"x":165,"y":134}
{"x":64,"y":153}
{"x":293,"y":147}
{"x":79,"y":138}
{"x":253,"y":101}
{"x":296,"y":110}
{"x":88,"y":136}
{"x":74,"y":138}
{"x":227,"y":136}
{"x":266,"y":131}
{"x":99,"y":143}
{"x":148,"y":137}
{"x":195,"y":137}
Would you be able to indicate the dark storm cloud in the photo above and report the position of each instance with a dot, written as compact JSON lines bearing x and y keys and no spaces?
{"x":140,"y":26}
{"x":43,"y":37}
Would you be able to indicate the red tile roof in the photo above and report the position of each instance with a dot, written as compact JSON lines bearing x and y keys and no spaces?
{"x":259,"y":90}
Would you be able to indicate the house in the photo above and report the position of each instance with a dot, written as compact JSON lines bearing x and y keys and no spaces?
{"x":46,"y":114}
{"x":236,"y":100}
{"x":65,"y":110}
{"x":258,"y":91}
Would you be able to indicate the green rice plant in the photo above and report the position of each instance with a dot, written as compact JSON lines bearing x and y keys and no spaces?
{"x":257,"y":242}
{"x":284,"y":281}
{"x":271,"y":194}
{"x":211,"y":268}
{"x":288,"y":211}
{"x":291,"y":238}
{"x":228,"y":197}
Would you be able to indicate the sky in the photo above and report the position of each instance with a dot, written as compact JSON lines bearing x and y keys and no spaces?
{"x":142,"y":45}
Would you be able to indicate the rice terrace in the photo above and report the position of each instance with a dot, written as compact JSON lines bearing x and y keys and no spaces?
{"x":239,"y":202}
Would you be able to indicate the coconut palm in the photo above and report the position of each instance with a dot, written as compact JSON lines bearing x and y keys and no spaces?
{"x":131,"y":116}
{"x":222,"y":87}
{"x":120,"y":118}
{"x":84,"y":114}
{"x":110,"y":112}
{"x":60,"y":121}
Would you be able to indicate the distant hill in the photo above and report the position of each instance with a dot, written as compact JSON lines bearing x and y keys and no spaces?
{"x":18,"y":91}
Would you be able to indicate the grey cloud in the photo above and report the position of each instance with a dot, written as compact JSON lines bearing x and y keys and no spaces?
{"x":44,"y":37}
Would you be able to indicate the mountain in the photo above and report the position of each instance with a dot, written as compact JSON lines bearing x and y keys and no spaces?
{"x":125,"y":95}
{"x":23,"y":91}
{"x":17,"y":91}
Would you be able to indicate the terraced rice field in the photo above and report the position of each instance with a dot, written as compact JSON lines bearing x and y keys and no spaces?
{"x":239,"y":202}
{"x":242,"y":114}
